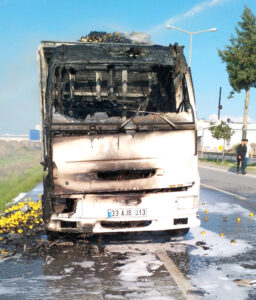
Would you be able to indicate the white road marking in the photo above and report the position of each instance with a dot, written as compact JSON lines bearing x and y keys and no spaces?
{"x":222,"y":191}
{"x":177,"y":276}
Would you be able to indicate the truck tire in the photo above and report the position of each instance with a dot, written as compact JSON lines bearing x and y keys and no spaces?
{"x":180,"y":232}
{"x":52,"y":235}
{"x":46,"y":204}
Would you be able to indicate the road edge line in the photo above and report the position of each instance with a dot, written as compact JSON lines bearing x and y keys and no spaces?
{"x":181,"y":281}
{"x":222,"y":191}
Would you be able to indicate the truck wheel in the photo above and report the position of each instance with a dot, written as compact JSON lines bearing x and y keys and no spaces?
{"x":180,"y":232}
{"x":46,"y":203}
{"x":52,"y":236}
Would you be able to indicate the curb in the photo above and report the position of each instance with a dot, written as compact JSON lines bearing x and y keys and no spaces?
{"x":224,"y":168}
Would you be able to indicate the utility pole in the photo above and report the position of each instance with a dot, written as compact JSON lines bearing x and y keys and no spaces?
{"x":219,"y":106}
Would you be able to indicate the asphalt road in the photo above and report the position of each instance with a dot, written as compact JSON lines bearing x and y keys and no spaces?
{"x":228,"y":180}
{"x":214,"y":261}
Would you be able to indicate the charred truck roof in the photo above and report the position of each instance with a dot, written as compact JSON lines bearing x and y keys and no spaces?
{"x":119,"y":53}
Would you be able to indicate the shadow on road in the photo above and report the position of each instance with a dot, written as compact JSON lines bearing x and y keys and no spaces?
{"x":232,"y":169}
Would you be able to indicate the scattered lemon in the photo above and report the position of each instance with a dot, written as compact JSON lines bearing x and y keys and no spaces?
{"x":233,"y":241}
{"x":1,"y":238}
{"x":222,"y":234}
{"x":238,"y":219}
{"x":203,"y":203}
{"x":206,"y":211}
{"x":251,"y":214}
{"x":203,"y":232}
{"x":205,"y":218}
{"x":19,"y":231}
{"x":16,"y":219}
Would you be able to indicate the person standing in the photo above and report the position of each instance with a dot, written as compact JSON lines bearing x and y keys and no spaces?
{"x":240,"y":156}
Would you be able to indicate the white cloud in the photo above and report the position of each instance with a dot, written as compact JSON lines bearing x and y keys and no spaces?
{"x":190,"y":13}
{"x":239,"y":119}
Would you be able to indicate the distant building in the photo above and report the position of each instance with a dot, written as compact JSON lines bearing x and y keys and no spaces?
{"x":207,"y":143}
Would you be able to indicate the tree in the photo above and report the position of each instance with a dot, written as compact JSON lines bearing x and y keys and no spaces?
{"x":221,"y":131}
{"x":240,"y":59}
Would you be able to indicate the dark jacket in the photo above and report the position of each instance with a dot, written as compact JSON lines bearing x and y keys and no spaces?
{"x":241,"y":151}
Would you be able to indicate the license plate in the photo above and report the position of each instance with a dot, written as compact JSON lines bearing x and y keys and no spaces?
{"x":127,"y":212}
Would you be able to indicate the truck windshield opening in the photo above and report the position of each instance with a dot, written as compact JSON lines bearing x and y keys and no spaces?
{"x":93,"y":92}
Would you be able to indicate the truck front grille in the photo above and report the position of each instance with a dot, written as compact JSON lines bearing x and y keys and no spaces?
{"x":127,"y":224}
{"x":126,"y":174}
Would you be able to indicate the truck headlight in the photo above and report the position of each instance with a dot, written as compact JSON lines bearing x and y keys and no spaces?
{"x":188,"y":202}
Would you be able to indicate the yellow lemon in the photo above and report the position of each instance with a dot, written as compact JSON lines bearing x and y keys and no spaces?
{"x":206,"y":211}
{"x":205,"y":218}
{"x":203,"y":232}
{"x":251,"y":214}
{"x":238,"y":219}
{"x":233,"y":241}
{"x":222,"y":234}
{"x":19,"y":231}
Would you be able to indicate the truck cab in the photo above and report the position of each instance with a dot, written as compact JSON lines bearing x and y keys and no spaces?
{"x":119,"y":134}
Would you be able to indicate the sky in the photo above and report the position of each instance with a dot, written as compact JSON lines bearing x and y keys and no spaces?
{"x":25,"y":23}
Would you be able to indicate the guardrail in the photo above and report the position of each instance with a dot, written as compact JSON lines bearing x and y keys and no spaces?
{"x":218,"y":156}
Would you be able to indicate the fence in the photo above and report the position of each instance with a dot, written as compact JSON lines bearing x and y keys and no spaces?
{"x":218,"y":156}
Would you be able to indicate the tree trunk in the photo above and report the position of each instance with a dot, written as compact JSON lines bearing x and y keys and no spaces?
{"x":223,"y":151}
{"x":246,"y":104}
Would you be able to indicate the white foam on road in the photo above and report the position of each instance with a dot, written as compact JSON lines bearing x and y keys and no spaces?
{"x":218,"y":246}
{"x":85,"y":264}
{"x":68,"y":270}
{"x":218,"y":283}
{"x":138,"y":265}
{"x":225,"y":209}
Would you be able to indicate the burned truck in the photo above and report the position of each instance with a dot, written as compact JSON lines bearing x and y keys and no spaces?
{"x":119,"y":138}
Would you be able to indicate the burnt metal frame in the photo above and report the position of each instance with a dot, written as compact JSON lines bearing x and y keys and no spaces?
{"x":179,"y":67}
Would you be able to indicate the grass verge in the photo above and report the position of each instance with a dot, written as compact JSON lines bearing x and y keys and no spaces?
{"x":16,"y":184}
{"x":226,"y":163}
{"x":20,"y":169}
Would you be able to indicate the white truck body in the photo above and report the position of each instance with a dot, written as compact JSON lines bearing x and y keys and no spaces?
{"x":117,"y":161}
